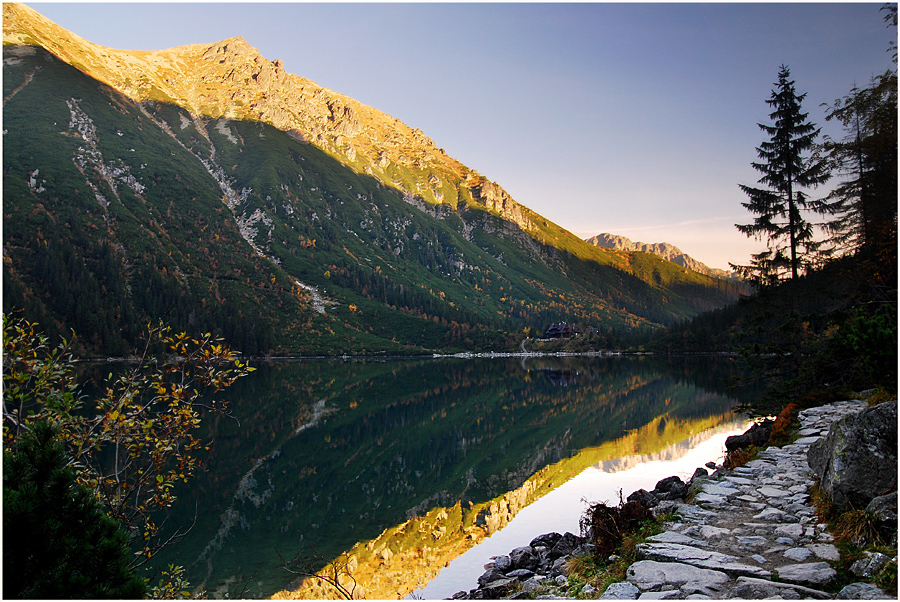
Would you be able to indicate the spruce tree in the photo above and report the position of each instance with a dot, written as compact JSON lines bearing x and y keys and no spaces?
{"x":57,"y":541}
{"x":787,"y":170}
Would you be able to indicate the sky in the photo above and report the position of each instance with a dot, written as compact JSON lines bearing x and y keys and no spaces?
{"x":636,"y":119}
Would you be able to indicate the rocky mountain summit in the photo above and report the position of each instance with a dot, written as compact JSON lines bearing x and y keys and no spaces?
{"x":662,"y":249}
{"x":230,"y":79}
{"x":749,"y":533}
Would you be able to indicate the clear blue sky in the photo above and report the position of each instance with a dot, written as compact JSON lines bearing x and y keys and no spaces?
{"x":635,"y":119}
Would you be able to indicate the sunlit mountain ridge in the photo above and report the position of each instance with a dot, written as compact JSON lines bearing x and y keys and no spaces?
{"x":207,"y":186}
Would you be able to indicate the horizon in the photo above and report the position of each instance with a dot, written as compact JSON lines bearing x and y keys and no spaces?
{"x":522,"y":93}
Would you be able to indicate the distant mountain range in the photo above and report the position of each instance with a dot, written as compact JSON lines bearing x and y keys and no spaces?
{"x":206,"y":186}
{"x":662,"y":249}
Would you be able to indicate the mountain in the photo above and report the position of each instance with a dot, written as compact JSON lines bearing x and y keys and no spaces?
{"x":206,"y":186}
{"x":662,"y":249}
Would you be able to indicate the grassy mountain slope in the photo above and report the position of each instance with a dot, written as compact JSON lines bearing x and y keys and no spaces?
{"x":206,"y":186}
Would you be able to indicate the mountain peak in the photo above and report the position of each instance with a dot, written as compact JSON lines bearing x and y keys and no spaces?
{"x":665,"y":250}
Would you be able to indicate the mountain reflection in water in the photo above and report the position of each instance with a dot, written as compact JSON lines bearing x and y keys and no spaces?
{"x":399,"y":466}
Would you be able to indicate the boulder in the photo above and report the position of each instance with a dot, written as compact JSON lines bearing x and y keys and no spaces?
{"x":643,"y":497}
{"x":757,"y":435}
{"x":489,"y":576}
{"x":547,"y":540}
{"x":884,"y":508}
{"x":856,"y":461}
{"x":524,"y":558}
{"x":565,"y":546}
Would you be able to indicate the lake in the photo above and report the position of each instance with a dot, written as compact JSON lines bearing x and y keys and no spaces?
{"x":394,"y":469}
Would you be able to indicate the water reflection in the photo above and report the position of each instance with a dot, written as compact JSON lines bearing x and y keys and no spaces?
{"x":406,"y":464}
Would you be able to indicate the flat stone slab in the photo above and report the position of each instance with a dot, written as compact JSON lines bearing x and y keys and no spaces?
{"x":815,"y":574}
{"x":770,"y":514}
{"x":825,"y":551}
{"x":707,"y":559}
{"x":718,"y":489}
{"x":649,"y":574}
{"x":673,"y":537}
{"x":708,"y":498}
{"x":773,"y":492}
{"x":753,"y":541}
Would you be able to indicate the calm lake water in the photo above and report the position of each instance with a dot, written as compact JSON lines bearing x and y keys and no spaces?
{"x":398,"y":468}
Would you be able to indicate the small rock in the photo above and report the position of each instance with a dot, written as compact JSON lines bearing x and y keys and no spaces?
{"x":798,"y":554}
{"x":520,"y":574}
{"x":700,"y":473}
{"x":862,"y":591}
{"x":621,"y":591}
{"x":562,"y":580}
{"x":867,"y":567}
{"x":533,"y":584}
{"x":502,"y":563}
{"x":794,"y":530}
{"x":588,"y":589}
{"x":770,"y":514}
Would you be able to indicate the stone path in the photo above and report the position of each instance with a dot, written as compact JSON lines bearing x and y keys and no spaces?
{"x":750,"y":532}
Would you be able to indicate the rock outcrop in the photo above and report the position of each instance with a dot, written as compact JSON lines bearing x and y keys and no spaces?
{"x":857,"y":460}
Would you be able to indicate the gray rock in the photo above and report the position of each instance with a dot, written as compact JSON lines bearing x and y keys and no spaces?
{"x":547,"y":540}
{"x":757,"y":434}
{"x":815,"y":574}
{"x":793,"y":530}
{"x":677,"y":553}
{"x":862,"y":591}
{"x":672,"y":537}
{"x":710,"y":532}
{"x":884,"y":508}
{"x":753,"y":541}
{"x":523,"y":558}
{"x":492,"y":574}
{"x":520,"y":574}
{"x":588,"y":589}
{"x":761,"y":591}
{"x":665,"y":595}
{"x":497,"y":589}
{"x":825,"y":551}
{"x":533,"y":584}
{"x":649,"y":574}
{"x":782,"y":590}
{"x":867,"y":567}
{"x":502,"y":563}
{"x":798,"y":554}
{"x":643,"y":497}
{"x":857,"y":460}
{"x":585,"y":549}
{"x":621,"y":591}
{"x":699,"y":474}
{"x":770,"y":514}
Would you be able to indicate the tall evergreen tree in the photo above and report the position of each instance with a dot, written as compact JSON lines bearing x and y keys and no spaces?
{"x":787,"y":169}
{"x":865,"y":202}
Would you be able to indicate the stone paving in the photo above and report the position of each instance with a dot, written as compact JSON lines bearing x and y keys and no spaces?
{"x":749,"y":533}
